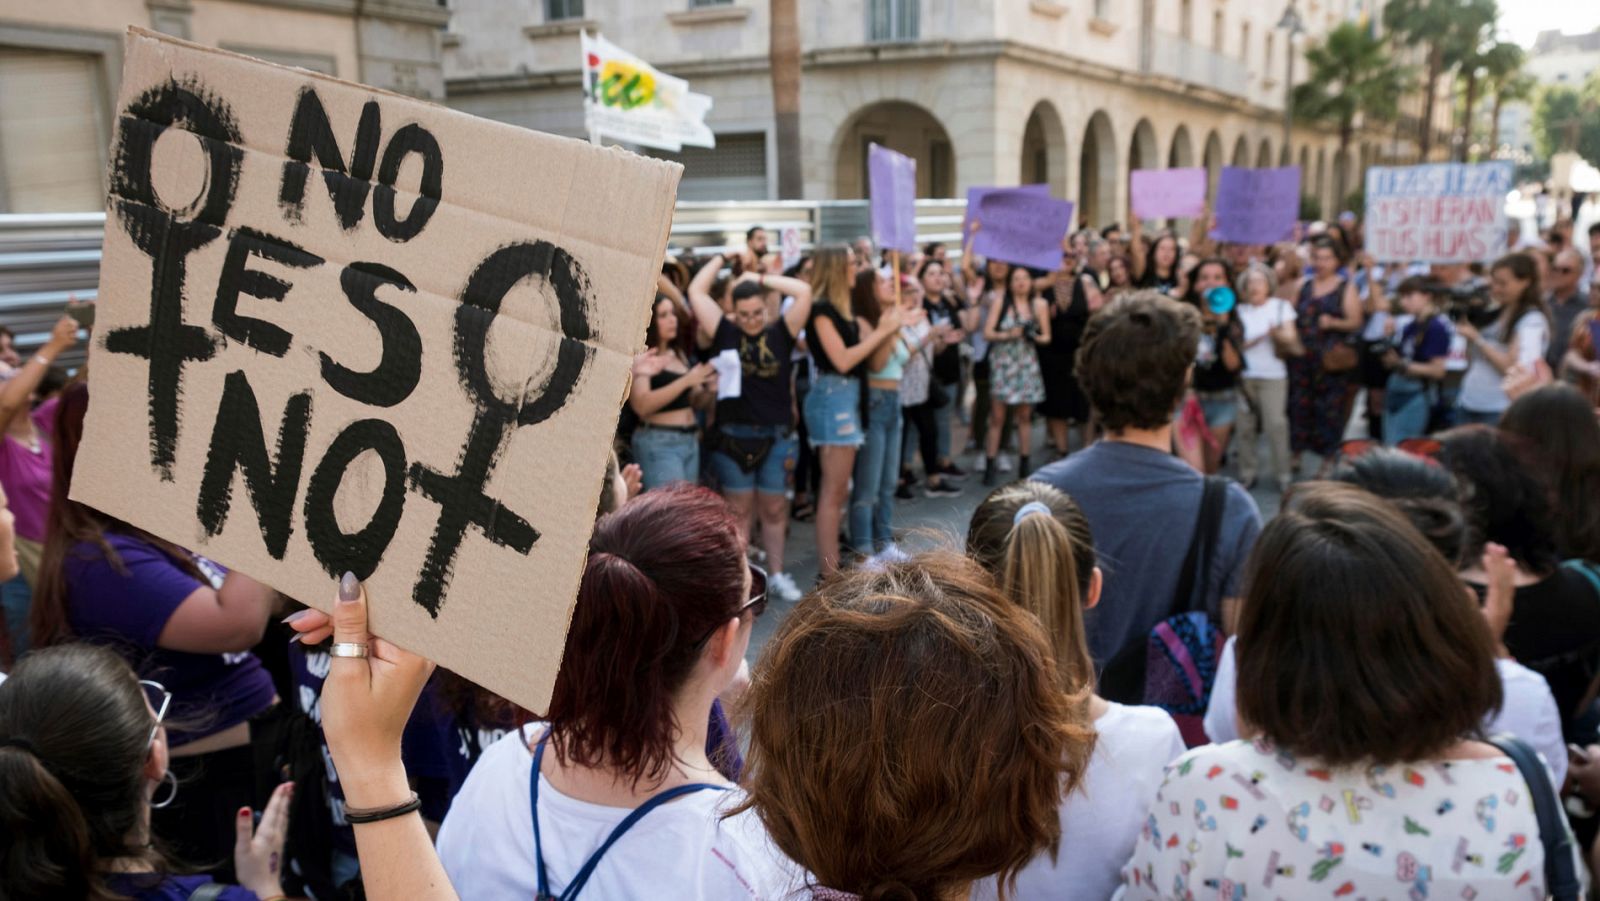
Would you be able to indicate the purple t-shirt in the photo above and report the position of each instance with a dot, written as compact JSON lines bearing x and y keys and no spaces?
{"x":150,"y":887}
{"x":27,"y":474}
{"x":128,"y":607}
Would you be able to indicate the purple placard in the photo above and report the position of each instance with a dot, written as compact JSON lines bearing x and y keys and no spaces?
{"x":892,"y":185}
{"x":1168,"y":193}
{"x":975,"y":199}
{"x":1022,"y":227}
{"x":1257,"y":206}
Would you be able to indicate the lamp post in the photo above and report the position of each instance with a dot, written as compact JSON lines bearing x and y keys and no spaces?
{"x":1293,"y":25}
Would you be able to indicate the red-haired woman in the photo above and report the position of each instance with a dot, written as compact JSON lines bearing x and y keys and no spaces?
{"x":660,"y":629}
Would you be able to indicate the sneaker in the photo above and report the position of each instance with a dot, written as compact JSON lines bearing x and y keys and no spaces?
{"x":951,"y":471}
{"x":782,"y":587}
{"x":904,"y":492}
{"x":1003,"y":463}
{"x":942,"y":489}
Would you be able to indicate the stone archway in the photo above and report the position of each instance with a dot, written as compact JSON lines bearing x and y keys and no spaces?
{"x":1241,"y":152}
{"x":1044,"y":149}
{"x":1097,"y":172}
{"x":1143,"y":153}
{"x":1264,"y":154}
{"x":1181,"y":156}
{"x":900,"y":126}
{"x":1212,"y":160}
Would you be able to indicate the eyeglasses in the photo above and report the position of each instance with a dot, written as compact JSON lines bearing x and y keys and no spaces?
{"x":159,"y":699}
{"x":757,"y":604}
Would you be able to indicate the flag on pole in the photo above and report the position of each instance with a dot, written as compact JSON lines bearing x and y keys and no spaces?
{"x":626,"y":98}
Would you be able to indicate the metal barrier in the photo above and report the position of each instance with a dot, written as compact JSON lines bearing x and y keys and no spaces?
{"x":46,"y":258}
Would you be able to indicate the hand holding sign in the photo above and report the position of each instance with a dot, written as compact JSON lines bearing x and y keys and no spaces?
{"x":408,"y":356}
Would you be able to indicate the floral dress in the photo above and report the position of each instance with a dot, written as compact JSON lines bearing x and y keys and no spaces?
{"x":1014,"y":374}
{"x":1318,"y":400}
{"x":1245,"y":821}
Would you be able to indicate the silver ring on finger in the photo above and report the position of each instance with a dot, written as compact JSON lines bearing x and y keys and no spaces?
{"x":348,"y":649}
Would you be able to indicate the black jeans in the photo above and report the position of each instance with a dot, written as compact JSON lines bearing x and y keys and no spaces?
{"x":923,"y":418}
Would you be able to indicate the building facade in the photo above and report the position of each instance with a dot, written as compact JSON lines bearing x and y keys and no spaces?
{"x":1073,"y":93}
{"x":1554,"y":60}
{"x":61,"y":65}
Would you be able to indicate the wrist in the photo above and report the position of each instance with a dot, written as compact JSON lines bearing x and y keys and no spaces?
{"x":373,"y":787}
{"x":270,"y":891}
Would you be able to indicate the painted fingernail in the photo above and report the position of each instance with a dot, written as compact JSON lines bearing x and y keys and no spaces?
{"x":349,"y":587}
{"x":244,"y":812}
{"x":295,"y":638}
{"x":293,"y":616}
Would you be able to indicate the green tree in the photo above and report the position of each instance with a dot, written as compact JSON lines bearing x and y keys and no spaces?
{"x":1485,"y":64}
{"x":1448,"y":31}
{"x":1509,"y":88}
{"x":1351,"y":74}
{"x":1568,"y":119}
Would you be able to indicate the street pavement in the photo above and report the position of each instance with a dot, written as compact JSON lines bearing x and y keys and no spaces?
{"x":923,"y":522}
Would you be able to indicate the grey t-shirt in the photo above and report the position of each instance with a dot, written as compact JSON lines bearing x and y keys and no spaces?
{"x":1142,"y":505}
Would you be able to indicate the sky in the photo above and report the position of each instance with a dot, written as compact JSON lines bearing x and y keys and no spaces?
{"x":1522,"y":20}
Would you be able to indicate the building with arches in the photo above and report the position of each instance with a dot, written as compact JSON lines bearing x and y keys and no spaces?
{"x":1070,"y":93}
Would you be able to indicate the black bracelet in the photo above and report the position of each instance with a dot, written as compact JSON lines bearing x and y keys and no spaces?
{"x":357,"y":817}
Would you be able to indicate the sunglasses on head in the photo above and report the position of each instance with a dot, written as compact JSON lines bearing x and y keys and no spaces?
{"x":756,"y":605}
{"x":159,"y":699}
{"x":1426,"y":448}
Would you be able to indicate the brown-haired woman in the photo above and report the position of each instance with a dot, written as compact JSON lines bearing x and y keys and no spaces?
{"x":667,"y":387}
{"x":1557,"y":424}
{"x":833,"y":406}
{"x":909,"y":734}
{"x":1365,"y":672}
{"x":173,"y":615}
{"x":659,"y":630}
{"x":1037,"y":544}
{"x":1518,"y":337}
{"x":1329,"y":314}
{"x":83,"y":756}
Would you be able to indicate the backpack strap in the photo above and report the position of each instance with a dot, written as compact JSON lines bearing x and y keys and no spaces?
{"x":582,"y":878}
{"x":211,"y":891}
{"x":1587,"y":570}
{"x":1560,"y":868}
{"x":1196,"y":573}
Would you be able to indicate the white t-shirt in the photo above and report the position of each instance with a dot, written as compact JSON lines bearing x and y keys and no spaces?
{"x":1529,"y":710}
{"x":1481,"y":391}
{"x":1260,"y":360}
{"x":1101,"y":821}
{"x":682,"y":849}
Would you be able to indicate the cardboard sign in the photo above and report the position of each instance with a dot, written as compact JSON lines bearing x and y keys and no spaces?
{"x":1257,"y":206}
{"x":1437,"y":213}
{"x":345,"y":330}
{"x":1022,"y":227}
{"x":1168,"y":193}
{"x":975,"y":199}
{"x":892,"y":185}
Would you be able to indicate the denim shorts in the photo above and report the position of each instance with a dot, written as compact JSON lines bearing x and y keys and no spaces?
{"x":667,"y":455}
{"x":1220,"y":407}
{"x":833,"y":411}
{"x":775,"y":475}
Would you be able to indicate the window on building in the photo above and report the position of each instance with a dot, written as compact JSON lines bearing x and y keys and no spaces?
{"x":893,"y":20}
{"x":52,"y":142}
{"x":736,"y":169}
{"x":1216,"y":31}
{"x":1186,"y":19}
{"x":556,"y":10}
{"x":1244,"y":43}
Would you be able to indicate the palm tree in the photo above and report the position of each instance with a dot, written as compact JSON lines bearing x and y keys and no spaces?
{"x":784,"y":49}
{"x":1448,"y":29}
{"x":1508,"y":87}
{"x":1489,"y":61}
{"x":1351,"y":74}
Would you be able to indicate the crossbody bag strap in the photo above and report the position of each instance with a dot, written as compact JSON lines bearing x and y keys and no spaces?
{"x":634,"y":816}
{"x":1560,"y":868}
{"x":1196,"y":572}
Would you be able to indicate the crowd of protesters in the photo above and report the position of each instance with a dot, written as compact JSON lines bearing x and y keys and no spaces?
{"x":1118,"y":682}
